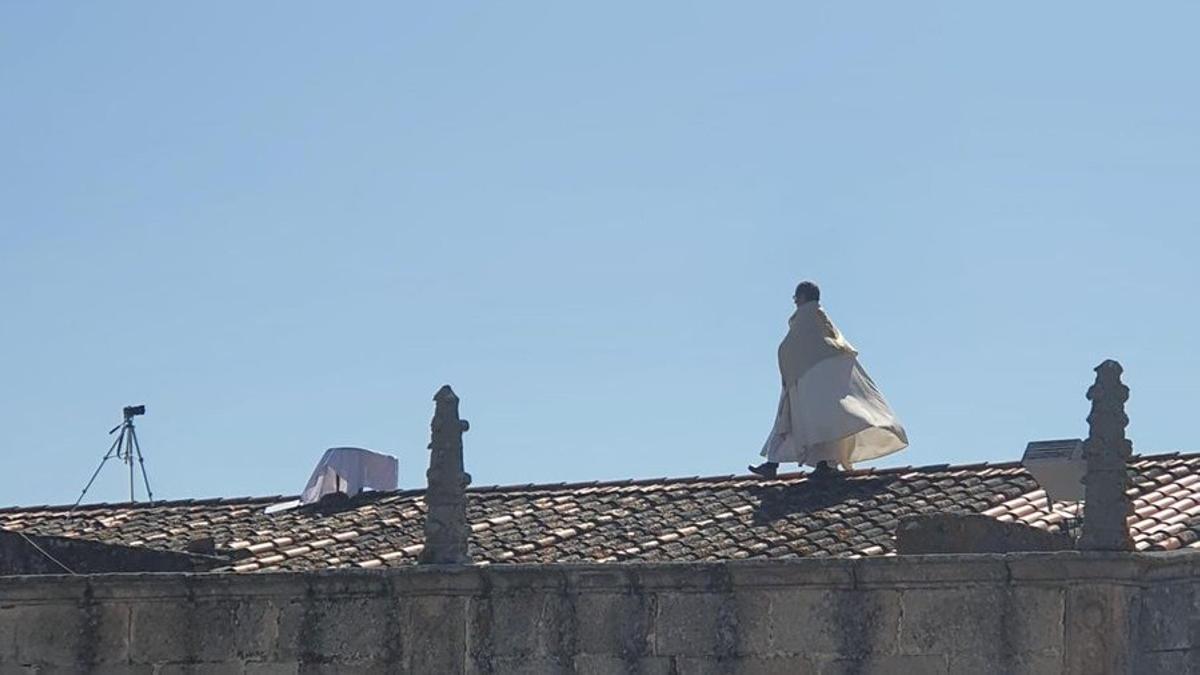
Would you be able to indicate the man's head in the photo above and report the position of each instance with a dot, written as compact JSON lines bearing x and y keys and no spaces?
{"x":807,"y":291}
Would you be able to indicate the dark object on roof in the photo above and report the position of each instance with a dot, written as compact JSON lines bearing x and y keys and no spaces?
{"x":689,"y":519}
{"x":201,"y":545}
{"x":973,"y":533}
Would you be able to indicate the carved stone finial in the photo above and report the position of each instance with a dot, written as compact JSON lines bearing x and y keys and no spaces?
{"x":446,"y":531}
{"x":1106,"y":506}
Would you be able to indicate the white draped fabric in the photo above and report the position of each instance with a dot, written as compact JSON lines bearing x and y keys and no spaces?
{"x":349,"y":470}
{"x":829,"y":409}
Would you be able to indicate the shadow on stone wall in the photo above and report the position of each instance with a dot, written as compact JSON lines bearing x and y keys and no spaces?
{"x":37,"y":554}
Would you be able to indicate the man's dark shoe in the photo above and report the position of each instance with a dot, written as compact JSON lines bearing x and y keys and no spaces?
{"x":766,"y":469}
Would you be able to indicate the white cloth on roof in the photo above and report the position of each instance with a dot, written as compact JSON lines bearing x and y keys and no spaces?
{"x":829,"y":409}
{"x":349,"y":470}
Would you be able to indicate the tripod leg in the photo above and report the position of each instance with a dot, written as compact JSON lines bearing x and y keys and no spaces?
{"x":129,"y":459}
{"x":142,"y":464}
{"x":108,"y":455}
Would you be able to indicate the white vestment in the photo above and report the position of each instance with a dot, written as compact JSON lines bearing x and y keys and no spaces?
{"x":829,"y":409}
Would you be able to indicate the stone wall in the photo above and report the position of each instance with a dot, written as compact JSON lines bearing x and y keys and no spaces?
{"x":973,"y":533}
{"x":1016,"y":613}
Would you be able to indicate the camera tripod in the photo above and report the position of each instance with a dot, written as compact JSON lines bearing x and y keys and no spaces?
{"x":124,"y":449}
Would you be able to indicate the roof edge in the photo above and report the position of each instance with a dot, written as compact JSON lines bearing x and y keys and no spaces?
{"x":549,"y":487}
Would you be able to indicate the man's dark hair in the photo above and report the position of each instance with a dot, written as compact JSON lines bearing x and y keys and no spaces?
{"x":808,"y":290}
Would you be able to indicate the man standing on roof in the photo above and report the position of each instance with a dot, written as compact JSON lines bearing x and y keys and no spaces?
{"x":830,"y":410}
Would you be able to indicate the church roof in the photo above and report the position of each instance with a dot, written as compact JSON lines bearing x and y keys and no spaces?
{"x":664,"y":519}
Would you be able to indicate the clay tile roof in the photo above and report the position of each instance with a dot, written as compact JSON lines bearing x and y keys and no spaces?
{"x":663,"y":519}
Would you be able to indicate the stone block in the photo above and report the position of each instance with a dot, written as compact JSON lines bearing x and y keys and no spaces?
{"x":599,"y":580}
{"x":135,"y":588}
{"x":341,"y":584}
{"x":510,"y":579}
{"x":42,"y":589}
{"x":1181,"y":662}
{"x":523,"y":665}
{"x":1076,"y":566}
{"x":613,"y":624}
{"x":524,"y":624}
{"x":706,"y":665}
{"x":809,"y":572}
{"x":968,"y":619}
{"x":1168,"y":618}
{"x":348,"y":668}
{"x":1039,"y":664}
{"x":1006,"y":664}
{"x":434,"y":634}
{"x":1099,"y":620}
{"x":776,"y":665}
{"x":420,"y":580}
{"x":70,"y":634}
{"x":324,"y":629}
{"x":923,"y":664}
{"x":198,"y":668}
{"x":927,"y":571}
{"x":271,"y":668}
{"x":679,"y":577}
{"x":980,"y":664}
{"x":47,"y":634}
{"x":848,"y":623}
{"x":602,"y":664}
{"x":109,"y":632}
{"x":1033,"y":620}
{"x":9,"y":617}
{"x":205,"y":631}
{"x":695,"y":624}
{"x":159,"y":632}
{"x":1174,"y":565}
{"x":754,"y":614}
{"x":97,"y":669}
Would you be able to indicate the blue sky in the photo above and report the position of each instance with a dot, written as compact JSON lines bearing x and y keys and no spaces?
{"x":282,"y":226}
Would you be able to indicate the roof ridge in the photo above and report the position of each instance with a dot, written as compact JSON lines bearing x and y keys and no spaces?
{"x":1165,"y":455}
{"x":160,"y":503}
{"x":561,"y":486}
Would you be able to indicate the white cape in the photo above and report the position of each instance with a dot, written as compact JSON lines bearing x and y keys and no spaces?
{"x":829,"y":409}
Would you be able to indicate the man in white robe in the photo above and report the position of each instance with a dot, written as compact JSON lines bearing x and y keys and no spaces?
{"x":830,"y":411}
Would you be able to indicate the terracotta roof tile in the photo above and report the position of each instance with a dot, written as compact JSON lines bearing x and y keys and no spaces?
{"x":1143,"y":525}
{"x":1145,"y":509}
